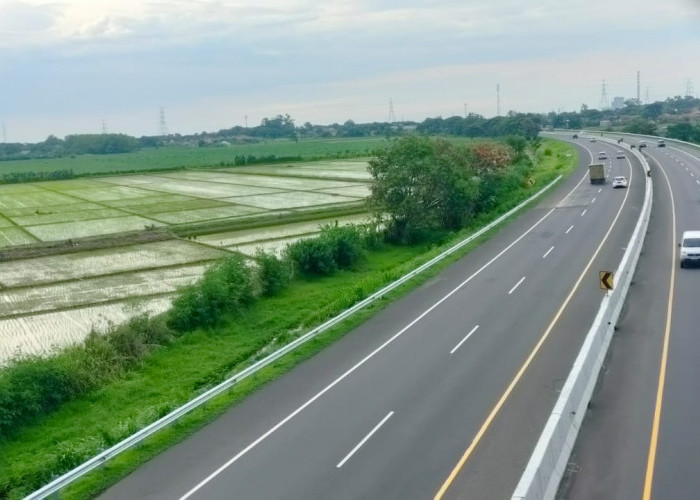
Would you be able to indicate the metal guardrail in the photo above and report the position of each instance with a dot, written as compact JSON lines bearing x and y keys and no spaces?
{"x":547,"y":463}
{"x":57,"y":484}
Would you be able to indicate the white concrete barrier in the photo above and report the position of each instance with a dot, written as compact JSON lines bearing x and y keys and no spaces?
{"x":547,"y":463}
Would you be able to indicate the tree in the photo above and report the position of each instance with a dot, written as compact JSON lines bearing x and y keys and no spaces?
{"x":422,"y":185}
{"x":640,"y":126}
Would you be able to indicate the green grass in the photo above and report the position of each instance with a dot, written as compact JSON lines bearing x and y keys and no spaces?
{"x":199,"y":360}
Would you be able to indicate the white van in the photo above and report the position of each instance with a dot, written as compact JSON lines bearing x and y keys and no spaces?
{"x":690,"y":248}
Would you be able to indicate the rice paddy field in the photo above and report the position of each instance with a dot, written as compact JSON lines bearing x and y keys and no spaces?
{"x":54,"y":300}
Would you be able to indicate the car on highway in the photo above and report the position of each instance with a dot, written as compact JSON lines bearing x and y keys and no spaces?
{"x":592,"y":139}
{"x":661,"y":143}
{"x":619,"y":155}
{"x":619,"y":182}
{"x":690,"y":248}
{"x":575,"y":136}
{"x":642,"y":144}
{"x":602,"y":155}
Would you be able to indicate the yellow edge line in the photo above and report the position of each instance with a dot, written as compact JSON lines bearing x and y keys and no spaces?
{"x":653,"y":442}
{"x":526,"y":364}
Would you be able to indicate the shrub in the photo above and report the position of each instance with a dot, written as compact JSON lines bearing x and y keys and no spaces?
{"x":346,"y":243}
{"x":312,"y":255}
{"x":274,"y":273}
{"x":225,"y":287}
{"x":337,"y":247}
{"x":32,"y":386}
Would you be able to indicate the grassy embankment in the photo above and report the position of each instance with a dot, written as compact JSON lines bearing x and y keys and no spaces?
{"x":200,"y":359}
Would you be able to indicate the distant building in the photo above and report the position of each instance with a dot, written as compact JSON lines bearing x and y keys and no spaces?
{"x":618,"y":103}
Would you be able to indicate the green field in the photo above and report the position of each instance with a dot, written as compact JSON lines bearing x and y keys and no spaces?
{"x":174,"y":157}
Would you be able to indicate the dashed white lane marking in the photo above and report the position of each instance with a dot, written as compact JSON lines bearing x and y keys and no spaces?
{"x":364,"y":440}
{"x":570,"y":228}
{"x":547,"y":253}
{"x":600,"y":189}
{"x":593,"y":200}
{"x":464,"y":339}
{"x":516,"y":285}
{"x":584,"y":212}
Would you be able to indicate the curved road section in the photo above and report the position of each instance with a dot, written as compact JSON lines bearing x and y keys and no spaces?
{"x":641,"y":438}
{"x":445,"y":392}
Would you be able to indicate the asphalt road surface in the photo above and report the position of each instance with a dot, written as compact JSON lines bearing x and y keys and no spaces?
{"x":635,"y":444}
{"x":446,"y":390}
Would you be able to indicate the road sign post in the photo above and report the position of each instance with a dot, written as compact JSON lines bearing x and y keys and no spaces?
{"x":606,"y":280}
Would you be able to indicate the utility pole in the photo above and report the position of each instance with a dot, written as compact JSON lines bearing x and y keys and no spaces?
{"x":498,"y":99}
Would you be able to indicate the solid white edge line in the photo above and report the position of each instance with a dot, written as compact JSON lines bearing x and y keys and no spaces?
{"x":360,"y":363}
{"x":570,"y":228}
{"x":364,"y":440}
{"x":516,"y":285}
{"x":464,"y":339}
{"x":547,"y":253}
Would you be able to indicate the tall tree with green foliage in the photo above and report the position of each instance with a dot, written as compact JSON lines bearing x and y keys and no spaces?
{"x":422,"y":185}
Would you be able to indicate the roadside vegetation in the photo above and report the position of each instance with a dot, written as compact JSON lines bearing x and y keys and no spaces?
{"x":56,"y":412}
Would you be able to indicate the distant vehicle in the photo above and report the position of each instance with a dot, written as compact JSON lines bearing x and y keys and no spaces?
{"x":619,"y":155}
{"x":619,"y":182}
{"x":596,"y":172}
{"x":602,"y":155}
{"x":642,"y":144}
{"x":592,"y":139}
{"x":632,"y":146}
{"x":575,"y":136}
{"x":661,"y":143}
{"x":690,"y":248}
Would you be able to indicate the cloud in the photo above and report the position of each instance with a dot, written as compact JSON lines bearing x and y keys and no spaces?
{"x":213,"y":61}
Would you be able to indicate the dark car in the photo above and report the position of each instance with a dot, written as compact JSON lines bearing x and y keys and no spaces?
{"x":575,"y":136}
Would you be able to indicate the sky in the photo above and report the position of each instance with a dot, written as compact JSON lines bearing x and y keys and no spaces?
{"x":88,"y":66}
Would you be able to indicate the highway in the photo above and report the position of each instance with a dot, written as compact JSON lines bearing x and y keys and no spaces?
{"x":641,"y":438}
{"x":445,"y":391}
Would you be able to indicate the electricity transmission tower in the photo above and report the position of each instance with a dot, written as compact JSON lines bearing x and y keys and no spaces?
{"x":162,"y":127}
{"x":689,"y":88}
{"x":392,"y":117}
{"x":603,"y":98}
